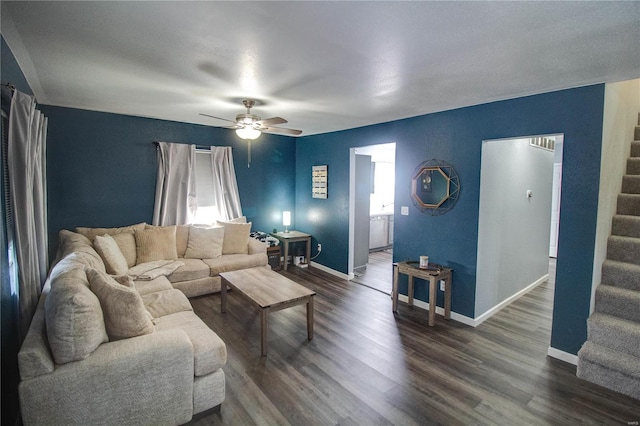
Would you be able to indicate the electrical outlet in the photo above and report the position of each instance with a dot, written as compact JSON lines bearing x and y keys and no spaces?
{"x":319,"y":248}
{"x":441,"y":285}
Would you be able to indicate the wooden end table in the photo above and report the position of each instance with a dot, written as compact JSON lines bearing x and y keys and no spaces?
{"x":269,"y":292}
{"x":434,"y":274}
{"x":292,"y":237}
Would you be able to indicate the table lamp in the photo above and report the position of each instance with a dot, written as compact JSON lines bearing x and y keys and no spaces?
{"x":286,"y":220}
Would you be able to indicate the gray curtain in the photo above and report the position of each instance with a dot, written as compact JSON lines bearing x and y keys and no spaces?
{"x":225,"y":186}
{"x":175,"y":202}
{"x":27,"y":182}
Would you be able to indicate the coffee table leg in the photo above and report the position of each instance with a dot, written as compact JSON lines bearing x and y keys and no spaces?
{"x":310,"y":318}
{"x":265,"y":330}
{"x":223,"y":295}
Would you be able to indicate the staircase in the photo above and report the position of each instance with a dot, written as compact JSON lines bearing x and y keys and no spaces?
{"x":611,"y":355}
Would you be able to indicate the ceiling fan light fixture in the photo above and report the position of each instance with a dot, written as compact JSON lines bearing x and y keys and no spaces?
{"x":248,"y":132}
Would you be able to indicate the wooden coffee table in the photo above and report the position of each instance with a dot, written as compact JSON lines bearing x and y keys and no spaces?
{"x":269,"y":292}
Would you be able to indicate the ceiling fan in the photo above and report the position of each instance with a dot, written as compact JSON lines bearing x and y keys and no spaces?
{"x":250,"y":126}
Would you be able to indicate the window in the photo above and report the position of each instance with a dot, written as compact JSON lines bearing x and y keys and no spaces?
{"x":207,"y":209}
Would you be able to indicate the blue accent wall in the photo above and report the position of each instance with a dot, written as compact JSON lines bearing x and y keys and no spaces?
{"x":101,"y":169}
{"x":456,"y":137}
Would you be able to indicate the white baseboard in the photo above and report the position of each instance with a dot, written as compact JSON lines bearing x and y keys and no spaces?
{"x":482,"y":318}
{"x":330,"y":271}
{"x":425,"y":305}
{"x":562,"y":356}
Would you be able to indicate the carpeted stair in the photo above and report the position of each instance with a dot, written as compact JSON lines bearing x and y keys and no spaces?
{"x":611,"y":355}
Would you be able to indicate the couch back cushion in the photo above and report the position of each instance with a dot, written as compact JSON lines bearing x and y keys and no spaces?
{"x":114,"y":261}
{"x":155,"y":243}
{"x":92,"y":233}
{"x":74,"y":243}
{"x":124,"y":312}
{"x":74,"y":321}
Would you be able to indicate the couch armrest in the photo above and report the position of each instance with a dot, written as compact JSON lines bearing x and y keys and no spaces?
{"x":142,"y":380}
{"x":256,"y":247}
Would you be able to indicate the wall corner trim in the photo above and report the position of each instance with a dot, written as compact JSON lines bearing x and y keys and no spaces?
{"x":562,"y":356}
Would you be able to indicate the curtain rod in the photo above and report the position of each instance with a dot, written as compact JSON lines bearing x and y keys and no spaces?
{"x":198,"y":147}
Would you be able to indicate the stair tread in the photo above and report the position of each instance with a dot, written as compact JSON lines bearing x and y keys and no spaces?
{"x":617,"y":322}
{"x":625,"y":265}
{"x":618,"y":291}
{"x":613,"y":360}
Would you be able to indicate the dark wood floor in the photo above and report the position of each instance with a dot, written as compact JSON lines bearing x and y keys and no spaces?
{"x":367,"y":366}
{"x":379,"y":271}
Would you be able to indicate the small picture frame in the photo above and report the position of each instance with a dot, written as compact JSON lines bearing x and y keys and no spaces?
{"x":319,"y":181}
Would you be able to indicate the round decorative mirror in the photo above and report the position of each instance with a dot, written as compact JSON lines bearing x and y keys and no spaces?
{"x":435,"y":187}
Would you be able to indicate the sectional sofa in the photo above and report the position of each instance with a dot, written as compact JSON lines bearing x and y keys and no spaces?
{"x":114,"y":339}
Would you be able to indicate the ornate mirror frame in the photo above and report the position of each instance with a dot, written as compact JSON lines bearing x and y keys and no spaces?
{"x":435,"y":187}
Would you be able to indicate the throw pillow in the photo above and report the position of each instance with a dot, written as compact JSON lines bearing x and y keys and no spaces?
{"x":108,"y":249}
{"x":127,"y":243}
{"x":241,"y":219}
{"x":204,"y":243}
{"x":125,"y":280}
{"x":182,"y":235}
{"x":124,"y":312}
{"x":75,"y":323}
{"x":236,"y":237}
{"x":156,"y":243}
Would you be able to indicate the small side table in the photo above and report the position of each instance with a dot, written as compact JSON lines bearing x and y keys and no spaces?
{"x":273,"y":256}
{"x":433,"y":274}
{"x":292,"y":237}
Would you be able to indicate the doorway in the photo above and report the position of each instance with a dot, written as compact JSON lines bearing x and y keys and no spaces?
{"x":371,"y":212}
{"x":518,"y":219}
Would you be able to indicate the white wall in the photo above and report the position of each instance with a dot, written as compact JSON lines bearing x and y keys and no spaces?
{"x":621,"y":108}
{"x":513,"y":233}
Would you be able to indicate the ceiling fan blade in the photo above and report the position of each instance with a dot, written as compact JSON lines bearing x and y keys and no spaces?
{"x":217,"y":118}
{"x":283,"y":130}
{"x":272,"y":120}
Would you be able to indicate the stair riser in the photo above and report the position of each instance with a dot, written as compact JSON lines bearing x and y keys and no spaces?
{"x":624,"y":249}
{"x":626,"y":226}
{"x":633,"y":166}
{"x":631,"y":184}
{"x":617,"y":305}
{"x":635,"y":149}
{"x":629,"y":204}
{"x":619,"y":276}
{"x":636,"y":136}
{"x":608,"y":378}
{"x":618,"y":339}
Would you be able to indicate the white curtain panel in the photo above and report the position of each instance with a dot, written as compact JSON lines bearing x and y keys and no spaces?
{"x":175,"y":202}
{"x":27,"y":179}
{"x":225,"y":185}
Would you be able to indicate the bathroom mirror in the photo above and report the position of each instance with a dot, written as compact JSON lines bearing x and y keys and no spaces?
{"x":435,"y":186}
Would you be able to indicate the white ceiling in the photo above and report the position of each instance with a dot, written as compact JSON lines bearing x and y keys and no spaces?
{"x":324,"y":66}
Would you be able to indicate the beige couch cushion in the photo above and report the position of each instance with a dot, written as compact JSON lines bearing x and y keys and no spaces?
{"x":124,"y":312}
{"x":155,"y":243}
{"x":73,"y":243}
{"x":210,"y":352}
{"x":204,"y":243}
{"x":127,"y":243}
{"x":108,"y":249}
{"x":233,"y":262}
{"x":92,"y":233}
{"x":166,"y":302}
{"x":75,"y":324}
{"x":236,"y":237}
{"x":149,"y":286}
{"x":192,"y":270}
